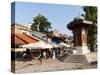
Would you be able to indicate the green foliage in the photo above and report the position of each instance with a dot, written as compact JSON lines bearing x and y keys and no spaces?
{"x":40,"y":23}
{"x":91,"y":15}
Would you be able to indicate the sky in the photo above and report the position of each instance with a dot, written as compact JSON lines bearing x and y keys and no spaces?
{"x":58,"y":15}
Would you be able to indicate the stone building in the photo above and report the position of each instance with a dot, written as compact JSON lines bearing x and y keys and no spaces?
{"x":18,"y":28}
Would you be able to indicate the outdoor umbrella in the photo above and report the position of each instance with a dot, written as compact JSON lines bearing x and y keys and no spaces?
{"x":62,"y":44}
{"x":44,"y":45}
{"x":53,"y":44}
{"x":37,"y":45}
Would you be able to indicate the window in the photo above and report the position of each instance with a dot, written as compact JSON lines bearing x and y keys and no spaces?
{"x":43,"y":36}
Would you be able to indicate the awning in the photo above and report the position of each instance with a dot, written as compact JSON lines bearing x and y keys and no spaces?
{"x":37,"y":45}
{"x":53,"y":44}
{"x":62,"y":44}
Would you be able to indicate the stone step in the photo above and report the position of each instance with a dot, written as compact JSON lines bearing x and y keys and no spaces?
{"x":61,"y":58}
{"x":76,"y":59}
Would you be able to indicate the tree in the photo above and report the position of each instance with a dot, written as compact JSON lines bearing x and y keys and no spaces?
{"x":40,"y":23}
{"x":91,"y":15}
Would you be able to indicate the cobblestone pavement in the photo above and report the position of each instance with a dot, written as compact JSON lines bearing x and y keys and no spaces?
{"x":47,"y":65}
{"x":92,"y":57}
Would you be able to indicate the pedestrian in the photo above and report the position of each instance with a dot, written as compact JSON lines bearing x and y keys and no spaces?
{"x":44,"y":55}
{"x":54,"y":56}
{"x":40,"y":58}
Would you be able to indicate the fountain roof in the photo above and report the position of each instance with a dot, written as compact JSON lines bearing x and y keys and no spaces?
{"x":78,"y":23}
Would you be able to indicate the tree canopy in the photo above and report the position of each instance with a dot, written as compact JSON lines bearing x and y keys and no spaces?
{"x":91,"y":15}
{"x":40,"y":23}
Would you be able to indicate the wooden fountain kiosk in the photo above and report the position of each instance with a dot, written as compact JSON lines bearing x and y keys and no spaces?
{"x":79,"y":27}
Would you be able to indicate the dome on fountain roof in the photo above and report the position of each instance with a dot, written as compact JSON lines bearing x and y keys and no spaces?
{"x":79,"y":18}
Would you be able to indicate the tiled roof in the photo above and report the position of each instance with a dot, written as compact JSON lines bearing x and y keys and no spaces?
{"x":17,"y":38}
